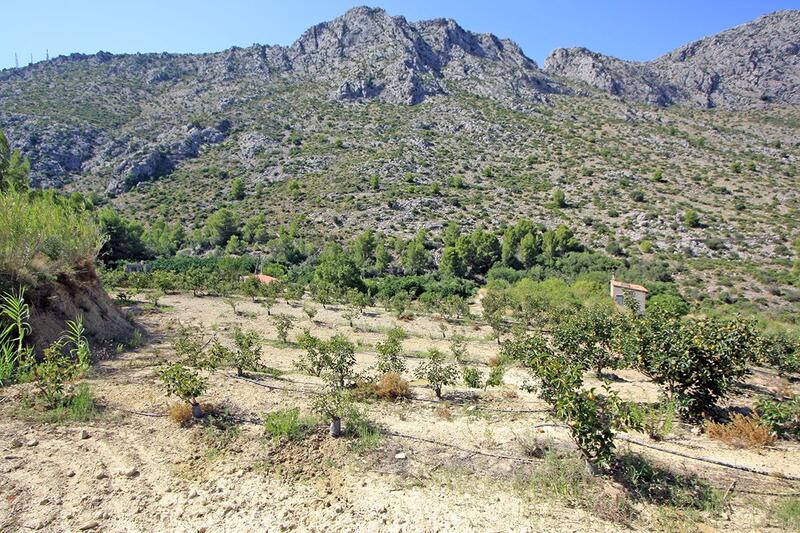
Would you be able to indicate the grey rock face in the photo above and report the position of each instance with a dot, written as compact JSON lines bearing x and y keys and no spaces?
{"x":367,"y":54}
{"x":151,"y":164}
{"x":746,"y":66}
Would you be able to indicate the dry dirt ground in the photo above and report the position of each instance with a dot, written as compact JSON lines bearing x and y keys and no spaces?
{"x":456,"y":465}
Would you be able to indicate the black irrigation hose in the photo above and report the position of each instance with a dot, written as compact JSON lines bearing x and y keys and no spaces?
{"x":154,"y":415}
{"x":775,"y":475}
{"x":421,"y":400}
{"x":466,"y":450}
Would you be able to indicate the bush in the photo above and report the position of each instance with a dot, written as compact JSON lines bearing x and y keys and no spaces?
{"x":41,"y":235}
{"x":437,"y":371}
{"x":782,"y":416}
{"x":392,"y":386}
{"x":53,"y":372}
{"x":695,"y":360}
{"x":741,"y":432}
{"x":781,"y":352}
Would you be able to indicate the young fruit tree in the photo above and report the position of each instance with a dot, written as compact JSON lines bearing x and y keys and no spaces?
{"x":695,"y":360}
{"x":588,"y":338}
{"x":390,"y":358}
{"x":437,"y":371}
{"x":184,"y":383}
{"x":283,"y":324}
{"x":339,"y":359}
{"x":333,"y":403}
{"x":590,"y":417}
{"x":246,"y":354}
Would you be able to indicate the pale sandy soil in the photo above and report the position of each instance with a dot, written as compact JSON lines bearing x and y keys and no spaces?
{"x":128,"y":471}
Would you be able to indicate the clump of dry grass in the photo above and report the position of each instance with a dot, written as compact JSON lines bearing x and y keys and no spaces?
{"x":180,"y":413}
{"x":444,"y":412}
{"x":741,"y":432}
{"x":392,"y":386}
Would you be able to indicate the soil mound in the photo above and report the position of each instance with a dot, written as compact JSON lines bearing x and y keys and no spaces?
{"x":54,"y":302}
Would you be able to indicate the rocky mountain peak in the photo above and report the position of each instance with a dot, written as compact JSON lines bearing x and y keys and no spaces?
{"x":745,"y":66}
{"x":367,"y":53}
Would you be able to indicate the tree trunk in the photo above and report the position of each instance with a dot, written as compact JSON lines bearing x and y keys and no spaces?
{"x":336,"y":427}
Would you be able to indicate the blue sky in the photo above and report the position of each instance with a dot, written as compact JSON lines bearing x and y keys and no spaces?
{"x":638,"y":30}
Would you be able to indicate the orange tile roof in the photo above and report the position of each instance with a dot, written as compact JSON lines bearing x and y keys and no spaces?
{"x":631,"y":286}
{"x":263,"y":278}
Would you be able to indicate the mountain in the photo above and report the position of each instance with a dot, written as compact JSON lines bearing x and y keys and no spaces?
{"x":746,"y":66}
{"x":74,"y":113}
{"x":371,"y":121}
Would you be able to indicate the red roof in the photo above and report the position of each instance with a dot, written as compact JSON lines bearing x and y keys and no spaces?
{"x":263,"y":278}
{"x":631,"y":286}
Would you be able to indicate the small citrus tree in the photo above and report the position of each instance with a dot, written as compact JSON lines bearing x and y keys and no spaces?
{"x":437,"y":371}
{"x":390,"y":358}
{"x":591,"y":417}
{"x":184,"y":383}
{"x":695,"y":360}
{"x":283,"y":324}
{"x":588,"y":338}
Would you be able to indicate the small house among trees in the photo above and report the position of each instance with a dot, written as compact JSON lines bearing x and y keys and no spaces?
{"x":620,"y":291}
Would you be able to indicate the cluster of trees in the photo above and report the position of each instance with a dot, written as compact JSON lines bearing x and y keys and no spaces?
{"x":695,"y":360}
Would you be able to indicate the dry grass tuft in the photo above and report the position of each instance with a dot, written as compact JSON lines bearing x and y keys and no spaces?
{"x":741,"y":432}
{"x":444,"y":412}
{"x":392,"y":386}
{"x":180,"y":413}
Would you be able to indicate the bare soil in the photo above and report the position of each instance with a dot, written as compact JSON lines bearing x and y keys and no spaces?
{"x":454,"y":465}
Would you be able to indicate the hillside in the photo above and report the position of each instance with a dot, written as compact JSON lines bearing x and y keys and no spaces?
{"x":370,"y":121}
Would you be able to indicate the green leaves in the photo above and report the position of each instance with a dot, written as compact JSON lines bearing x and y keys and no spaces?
{"x":588,"y":338}
{"x":589,"y":416}
{"x":437,"y":371}
{"x":696,"y":360}
{"x":183,"y":382}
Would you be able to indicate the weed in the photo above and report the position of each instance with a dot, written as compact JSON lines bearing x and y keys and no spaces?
{"x":654,"y":485}
{"x":473,"y":378}
{"x":787,"y":513}
{"x":366,"y":434}
{"x":180,"y":413}
{"x":288,"y":424}
{"x":741,"y":432}
{"x":562,"y":478}
{"x":392,"y":386}
{"x":80,"y":406}
{"x":219,"y":432}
